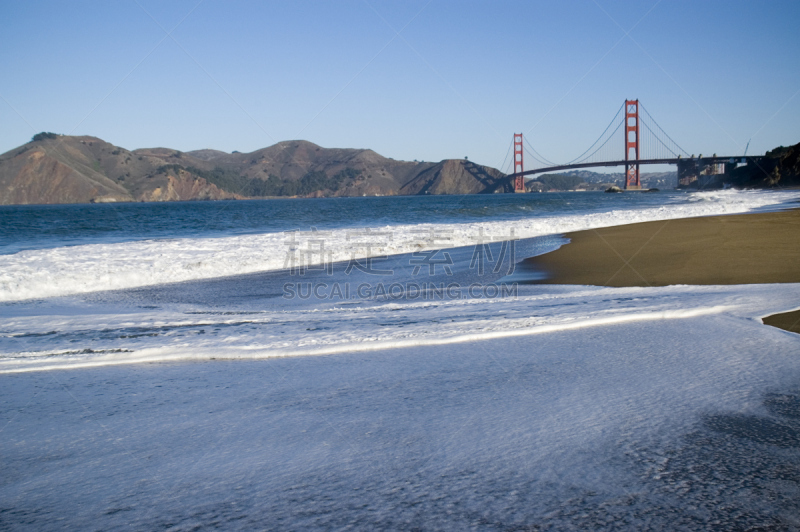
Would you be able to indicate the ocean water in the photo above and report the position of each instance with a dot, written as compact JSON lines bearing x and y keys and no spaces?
{"x":52,"y":226}
{"x":371,"y":364}
{"x":59,"y":250}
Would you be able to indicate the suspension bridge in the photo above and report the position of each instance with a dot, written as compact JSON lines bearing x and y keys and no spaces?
{"x":644,"y":142}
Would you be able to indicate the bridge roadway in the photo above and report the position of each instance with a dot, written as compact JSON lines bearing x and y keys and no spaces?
{"x":700,"y":160}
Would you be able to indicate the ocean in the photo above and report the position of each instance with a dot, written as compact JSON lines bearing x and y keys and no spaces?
{"x":382,"y":363}
{"x":56,"y":250}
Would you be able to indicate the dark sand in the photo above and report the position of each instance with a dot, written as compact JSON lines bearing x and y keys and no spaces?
{"x":789,"y":321}
{"x":734,"y":249}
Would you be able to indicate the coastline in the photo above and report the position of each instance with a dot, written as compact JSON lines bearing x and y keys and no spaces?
{"x":536,"y":411}
{"x":788,"y":321}
{"x":750,"y":248}
{"x":753,"y":248}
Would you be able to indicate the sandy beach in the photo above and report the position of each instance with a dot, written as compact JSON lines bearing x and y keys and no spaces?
{"x":789,"y":321}
{"x":713,"y":250}
{"x":733,"y":249}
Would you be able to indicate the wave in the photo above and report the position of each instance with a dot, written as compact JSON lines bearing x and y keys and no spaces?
{"x":88,"y":340}
{"x":95,"y":267}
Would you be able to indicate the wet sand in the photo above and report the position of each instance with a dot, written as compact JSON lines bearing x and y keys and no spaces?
{"x":734,"y":249}
{"x":789,"y":321}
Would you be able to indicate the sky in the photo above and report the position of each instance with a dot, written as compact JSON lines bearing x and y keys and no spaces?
{"x":417,"y":79}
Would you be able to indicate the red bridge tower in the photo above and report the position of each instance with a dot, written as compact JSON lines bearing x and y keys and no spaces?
{"x":632,"y":143}
{"x":519,"y":182}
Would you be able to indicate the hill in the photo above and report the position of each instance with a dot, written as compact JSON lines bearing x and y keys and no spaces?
{"x":63,"y":169}
{"x":588,"y":180}
{"x":456,"y":176}
{"x":779,"y":168}
{"x":71,"y":169}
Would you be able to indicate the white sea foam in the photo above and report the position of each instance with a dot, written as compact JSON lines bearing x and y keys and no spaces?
{"x":35,"y":343}
{"x":557,"y":392}
{"x":638,"y":408}
{"x":87,"y":268}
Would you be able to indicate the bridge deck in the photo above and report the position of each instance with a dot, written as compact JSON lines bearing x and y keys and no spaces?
{"x":704,"y":160}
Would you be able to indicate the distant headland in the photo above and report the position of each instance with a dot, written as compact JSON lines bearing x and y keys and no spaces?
{"x":55,"y":168}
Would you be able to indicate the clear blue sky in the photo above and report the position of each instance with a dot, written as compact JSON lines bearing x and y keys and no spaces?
{"x":411,"y":80}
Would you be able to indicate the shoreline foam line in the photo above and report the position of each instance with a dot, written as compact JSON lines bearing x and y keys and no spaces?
{"x":383,"y":345}
{"x":38,"y":274}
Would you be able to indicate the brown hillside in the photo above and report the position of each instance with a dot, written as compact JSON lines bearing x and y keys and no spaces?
{"x":457,"y":176}
{"x":65,"y":169}
{"x":62,"y":170}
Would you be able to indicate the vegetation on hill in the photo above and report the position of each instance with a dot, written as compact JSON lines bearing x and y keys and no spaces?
{"x":599,"y":181}
{"x":72,"y":169}
{"x":779,"y":168}
{"x":559,"y":181}
{"x":231,"y":181}
{"x":43,"y":135}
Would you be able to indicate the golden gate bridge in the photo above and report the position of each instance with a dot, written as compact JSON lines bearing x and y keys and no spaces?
{"x":643,"y":141}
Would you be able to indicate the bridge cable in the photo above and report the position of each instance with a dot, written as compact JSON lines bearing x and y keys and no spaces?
{"x":542,"y":159}
{"x":599,"y":147}
{"x":657,"y":139}
{"x":662,"y":130}
{"x":533,"y":155}
{"x":600,"y":137}
{"x":651,"y":148}
{"x":503,"y":166}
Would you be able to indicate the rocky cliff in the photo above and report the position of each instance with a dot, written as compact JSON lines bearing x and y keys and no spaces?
{"x":779,"y":168}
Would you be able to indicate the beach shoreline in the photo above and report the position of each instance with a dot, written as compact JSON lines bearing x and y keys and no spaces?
{"x":750,"y":248}
{"x":524,"y":411}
